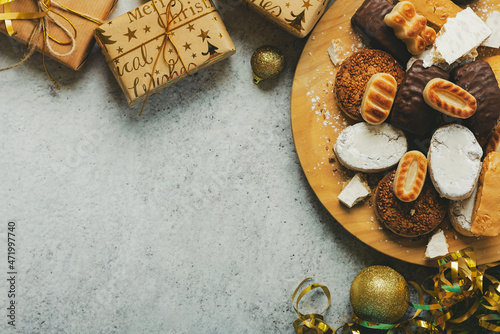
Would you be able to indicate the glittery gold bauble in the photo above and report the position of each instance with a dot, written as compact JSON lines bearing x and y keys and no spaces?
{"x":379,"y":294}
{"x":267,"y":62}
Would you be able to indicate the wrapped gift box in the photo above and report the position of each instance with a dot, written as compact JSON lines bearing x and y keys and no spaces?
{"x":157,"y":44}
{"x":298,"y":17}
{"x":72,"y":15}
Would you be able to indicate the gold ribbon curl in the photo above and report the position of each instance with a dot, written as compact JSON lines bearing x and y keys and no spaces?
{"x":44,"y":15}
{"x":314,"y":322}
{"x":459,"y":283}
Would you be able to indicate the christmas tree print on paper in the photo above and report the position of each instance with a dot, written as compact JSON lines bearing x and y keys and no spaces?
{"x":211,"y":51}
{"x":103,"y":38}
{"x":297,"y":21}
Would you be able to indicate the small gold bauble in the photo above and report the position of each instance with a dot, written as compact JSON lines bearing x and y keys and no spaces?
{"x":379,"y":294}
{"x":267,"y":62}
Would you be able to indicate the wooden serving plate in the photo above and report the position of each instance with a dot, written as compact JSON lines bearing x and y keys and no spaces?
{"x":316,"y":123}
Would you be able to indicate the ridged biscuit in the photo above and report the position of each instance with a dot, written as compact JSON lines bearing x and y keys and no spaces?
{"x":450,"y":99}
{"x":378,"y":98}
{"x":410,"y":176}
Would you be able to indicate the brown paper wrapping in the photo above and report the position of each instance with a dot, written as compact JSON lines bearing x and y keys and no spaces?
{"x":132,"y":43}
{"x":85,"y":28}
{"x":298,"y":17}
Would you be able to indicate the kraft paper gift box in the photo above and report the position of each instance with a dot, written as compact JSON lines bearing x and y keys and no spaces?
{"x":78,"y":18}
{"x":298,"y":17}
{"x":162,"y":42}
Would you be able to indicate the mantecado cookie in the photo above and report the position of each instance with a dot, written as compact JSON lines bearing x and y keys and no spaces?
{"x":354,"y":74}
{"x":370,"y":148}
{"x":454,"y":161}
{"x":409,"y":219}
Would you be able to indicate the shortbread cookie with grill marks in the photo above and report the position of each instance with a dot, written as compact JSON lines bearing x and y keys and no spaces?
{"x":410,"y":112}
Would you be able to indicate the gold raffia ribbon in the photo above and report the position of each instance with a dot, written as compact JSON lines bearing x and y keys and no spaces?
{"x":45,"y":15}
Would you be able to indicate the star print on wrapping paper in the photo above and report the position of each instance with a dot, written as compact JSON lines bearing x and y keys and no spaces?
{"x":157,"y":72}
{"x":204,"y":34}
{"x":187,"y":46}
{"x":306,"y":4}
{"x":147,"y":29}
{"x":130,"y":34}
{"x":193,"y":55}
{"x":190,"y":27}
{"x":119,"y":50}
{"x":287,"y":4}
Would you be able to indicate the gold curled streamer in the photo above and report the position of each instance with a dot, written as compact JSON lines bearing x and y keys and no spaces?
{"x":459,"y":280}
{"x":312,"y":320}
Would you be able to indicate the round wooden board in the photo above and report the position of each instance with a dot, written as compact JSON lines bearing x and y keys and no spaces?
{"x":316,"y":123}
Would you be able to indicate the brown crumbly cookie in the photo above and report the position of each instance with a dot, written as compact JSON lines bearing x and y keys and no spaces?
{"x":409,"y":219}
{"x":354,"y":73}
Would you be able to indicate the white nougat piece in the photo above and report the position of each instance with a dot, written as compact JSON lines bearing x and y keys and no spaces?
{"x":460,"y":35}
{"x":493,"y":22}
{"x":354,"y":191}
{"x":437,"y":246}
{"x":335,"y":51}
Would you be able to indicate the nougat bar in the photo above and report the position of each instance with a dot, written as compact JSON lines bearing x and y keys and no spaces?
{"x":410,"y":112}
{"x":368,"y":21}
{"x":479,"y":80}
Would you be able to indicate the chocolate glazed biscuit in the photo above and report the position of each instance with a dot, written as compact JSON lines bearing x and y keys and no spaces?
{"x":478,"y":79}
{"x":368,"y":21}
{"x":410,"y":112}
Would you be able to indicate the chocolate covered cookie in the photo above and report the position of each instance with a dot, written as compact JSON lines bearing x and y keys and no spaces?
{"x":368,"y":21}
{"x":479,"y":80}
{"x":410,"y":112}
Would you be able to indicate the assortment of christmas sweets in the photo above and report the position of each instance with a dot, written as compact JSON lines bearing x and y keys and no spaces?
{"x":420,"y":82}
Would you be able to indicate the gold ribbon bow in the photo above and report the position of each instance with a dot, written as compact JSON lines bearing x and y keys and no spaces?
{"x":167,"y":37}
{"x":44,"y":15}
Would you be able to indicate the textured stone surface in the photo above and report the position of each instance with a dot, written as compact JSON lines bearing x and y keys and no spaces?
{"x":194,"y":218}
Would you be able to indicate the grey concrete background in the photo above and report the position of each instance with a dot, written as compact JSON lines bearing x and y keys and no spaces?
{"x":194,"y":218}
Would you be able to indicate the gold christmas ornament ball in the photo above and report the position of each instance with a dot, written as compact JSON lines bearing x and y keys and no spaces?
{"x":379,"y":294}
{"x":267,"y":62}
